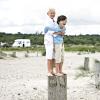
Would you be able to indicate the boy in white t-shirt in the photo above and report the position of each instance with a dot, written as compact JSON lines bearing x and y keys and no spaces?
{"x":48,"y":41}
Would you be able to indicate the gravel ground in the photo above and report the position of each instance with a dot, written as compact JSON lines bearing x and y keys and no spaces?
{"x":26,"y":78}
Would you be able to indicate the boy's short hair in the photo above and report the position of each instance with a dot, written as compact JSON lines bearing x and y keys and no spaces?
{"x":51,"y":9}
{"x":61,"y":18}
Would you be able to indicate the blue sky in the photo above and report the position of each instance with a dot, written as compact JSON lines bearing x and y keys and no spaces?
{"x":29,"y":15}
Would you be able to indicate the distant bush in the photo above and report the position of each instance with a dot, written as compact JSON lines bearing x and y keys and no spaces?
{"x":6,"y":45}
{"x":44,"y":53}
{"x":97,"y":44}
{"x":87,"y":39}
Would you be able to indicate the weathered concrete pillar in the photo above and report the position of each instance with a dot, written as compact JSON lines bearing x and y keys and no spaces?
{"x":89,"y":63}
{"x":52,"y":85}
{"x":86,"y":63}
{"x":97,"y":74}
{"x":57,"y":87}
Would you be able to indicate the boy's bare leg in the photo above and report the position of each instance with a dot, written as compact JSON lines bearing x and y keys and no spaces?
{"x":50,"y":67}
{"x":53,"y":63}
{"x":60,"y":68}
{"x":57,"y":68}
{"x":49,"y":63}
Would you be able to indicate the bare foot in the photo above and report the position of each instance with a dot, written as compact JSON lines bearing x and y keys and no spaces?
{"x":51,"y":74}
{"x":59,"y":74}
{"x":63,"y":73}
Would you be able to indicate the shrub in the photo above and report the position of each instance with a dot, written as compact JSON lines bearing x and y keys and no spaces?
{"x":13,"y":54}
{"x":44,"y":53}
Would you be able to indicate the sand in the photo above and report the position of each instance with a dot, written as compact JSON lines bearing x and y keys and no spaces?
{"x":26,"y":78}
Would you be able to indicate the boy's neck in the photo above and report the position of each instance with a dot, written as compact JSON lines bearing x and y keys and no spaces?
{"x":51,"y":18}
{"x":61,"y":27}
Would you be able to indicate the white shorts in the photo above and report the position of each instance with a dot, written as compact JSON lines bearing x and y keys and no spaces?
{"x":49,"y":52}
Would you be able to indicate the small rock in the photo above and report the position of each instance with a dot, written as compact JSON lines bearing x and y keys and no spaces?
{"x":35,"y":88}
{"x":81,"y":98}
{"x":19,"y":94}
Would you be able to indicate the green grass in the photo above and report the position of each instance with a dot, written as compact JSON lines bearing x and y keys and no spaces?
{"x":82,"y":72}
{"x":1,"y":57}
{"x":13,"y":54}
{"x":81,"y":48}
{"x":39,"y":48}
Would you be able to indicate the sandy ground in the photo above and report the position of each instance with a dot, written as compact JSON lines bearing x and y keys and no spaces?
{"x":26,"y":78}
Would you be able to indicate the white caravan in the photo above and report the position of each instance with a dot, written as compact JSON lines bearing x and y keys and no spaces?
{"x":21,"y":43}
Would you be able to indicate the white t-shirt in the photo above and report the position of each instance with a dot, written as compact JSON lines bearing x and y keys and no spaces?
{"x":48,"y":37}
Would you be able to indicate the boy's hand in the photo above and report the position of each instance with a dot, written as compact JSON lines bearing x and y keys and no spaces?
{"x":62,"y":33}
{"x":59,"y":33}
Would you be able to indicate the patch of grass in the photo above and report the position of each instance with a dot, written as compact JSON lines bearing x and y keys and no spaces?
{"x":81,"y":68}
{"x":44,"y":53}
{"x":28,"y":49}
{"x":81,"y":48}
{"x":13,"y":55}
{"x":82,"y":72}
{"x":2,"y":55}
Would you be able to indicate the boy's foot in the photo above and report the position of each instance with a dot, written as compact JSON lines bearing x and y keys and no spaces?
{"x":51,"y":74}
{"x":58,"y":74}
{"x":63,"y":73}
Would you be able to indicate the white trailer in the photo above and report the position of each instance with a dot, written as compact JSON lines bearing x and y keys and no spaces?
{"x":22,"y":43}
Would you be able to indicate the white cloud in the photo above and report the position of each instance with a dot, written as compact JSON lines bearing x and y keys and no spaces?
{"x":28,"y":15}
{"x":83,"y":29}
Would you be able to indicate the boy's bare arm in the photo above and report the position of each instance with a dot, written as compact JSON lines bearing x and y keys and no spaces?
{"x":59,"y":33}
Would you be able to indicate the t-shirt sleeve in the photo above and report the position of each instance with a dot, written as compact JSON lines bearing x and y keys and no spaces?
{"x":49,"y":28}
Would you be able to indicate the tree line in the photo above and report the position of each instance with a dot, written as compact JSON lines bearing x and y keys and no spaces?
{"x":39,"y":39}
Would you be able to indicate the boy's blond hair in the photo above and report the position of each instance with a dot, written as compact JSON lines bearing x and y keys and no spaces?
{"x":51,"y":9}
